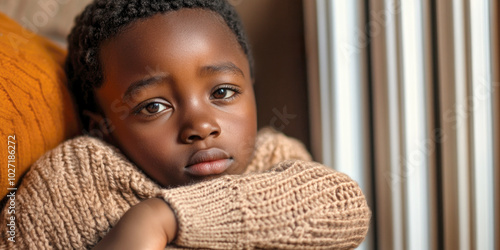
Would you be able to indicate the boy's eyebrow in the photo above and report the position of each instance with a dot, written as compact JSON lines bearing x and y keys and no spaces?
{"x":227,"y":67}
{"x":137,"y":85}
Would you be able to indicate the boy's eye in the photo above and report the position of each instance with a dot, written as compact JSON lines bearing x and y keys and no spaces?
{"x":223,"y":93}
{"x":153,"y":108}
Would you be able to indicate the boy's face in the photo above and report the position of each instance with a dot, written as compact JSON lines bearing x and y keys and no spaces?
{"x":179,"y":98}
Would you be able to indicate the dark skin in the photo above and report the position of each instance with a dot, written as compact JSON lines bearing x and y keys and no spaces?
{"x":179,"y":100}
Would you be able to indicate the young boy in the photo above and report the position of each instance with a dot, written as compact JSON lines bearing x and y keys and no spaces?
{"x":169,"y":84}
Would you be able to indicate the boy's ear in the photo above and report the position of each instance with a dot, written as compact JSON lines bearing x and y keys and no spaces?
{"x":99,"y":126}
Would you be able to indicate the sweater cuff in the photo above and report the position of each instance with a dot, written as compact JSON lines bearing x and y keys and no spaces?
{"x":208,"y":214}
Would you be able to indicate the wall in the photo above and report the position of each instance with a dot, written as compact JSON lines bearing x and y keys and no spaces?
{"x":275,"y":30}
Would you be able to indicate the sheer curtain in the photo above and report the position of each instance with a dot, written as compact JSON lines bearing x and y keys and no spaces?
{"x":405,"y":98}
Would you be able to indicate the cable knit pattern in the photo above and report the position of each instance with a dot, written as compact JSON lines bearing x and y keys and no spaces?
{"x":36,"y":105}
{"x":75,"y":193}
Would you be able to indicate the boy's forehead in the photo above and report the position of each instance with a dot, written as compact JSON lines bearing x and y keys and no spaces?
{"x":181,"y":30}
{"x":171,"y":39}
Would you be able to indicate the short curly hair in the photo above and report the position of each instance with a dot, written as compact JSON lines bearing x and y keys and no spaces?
{"x":104,"y":19}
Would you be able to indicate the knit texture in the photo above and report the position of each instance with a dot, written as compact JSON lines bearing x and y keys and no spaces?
{"x":75,"y":194}
{"x":36,"y":107}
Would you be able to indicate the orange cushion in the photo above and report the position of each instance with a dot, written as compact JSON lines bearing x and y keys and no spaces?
{"x":36,"y":106}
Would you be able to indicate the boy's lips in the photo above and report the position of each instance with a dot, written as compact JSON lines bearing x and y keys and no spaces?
{"x":208,"y":162}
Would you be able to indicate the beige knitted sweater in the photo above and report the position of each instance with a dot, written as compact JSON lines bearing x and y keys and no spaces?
{"x":75,"y":193}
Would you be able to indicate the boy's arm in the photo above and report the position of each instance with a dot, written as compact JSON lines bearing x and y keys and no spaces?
{"x":297,"y":204}
{"x":72,"y":197}
{"x":276,"y":209}
{"x":78,"y":191}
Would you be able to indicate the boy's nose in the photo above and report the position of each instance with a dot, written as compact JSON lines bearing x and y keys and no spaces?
{"x":199,"y":127}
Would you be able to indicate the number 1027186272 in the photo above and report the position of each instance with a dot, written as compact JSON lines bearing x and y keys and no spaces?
{"x":11,"y":160}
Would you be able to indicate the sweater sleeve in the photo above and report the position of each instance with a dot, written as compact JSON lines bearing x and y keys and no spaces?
{"x":72,"y":196}
{"x":296,"y":205}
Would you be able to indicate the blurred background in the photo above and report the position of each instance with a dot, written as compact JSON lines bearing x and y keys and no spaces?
{"x":403,"y":96}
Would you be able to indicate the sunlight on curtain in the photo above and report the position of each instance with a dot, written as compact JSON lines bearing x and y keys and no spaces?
{"x":404,"y":98}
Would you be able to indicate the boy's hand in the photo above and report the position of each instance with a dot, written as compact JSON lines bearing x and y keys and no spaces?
{"x":151,"y":224}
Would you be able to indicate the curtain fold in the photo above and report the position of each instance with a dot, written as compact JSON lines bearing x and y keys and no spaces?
{"x":407,"y":101}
